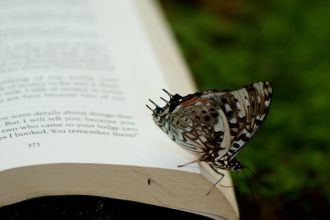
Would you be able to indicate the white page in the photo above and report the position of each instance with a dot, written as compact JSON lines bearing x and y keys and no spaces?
{"x":86,"y":69}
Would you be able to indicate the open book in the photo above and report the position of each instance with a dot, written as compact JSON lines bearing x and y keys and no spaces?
{"x":74,"y":80}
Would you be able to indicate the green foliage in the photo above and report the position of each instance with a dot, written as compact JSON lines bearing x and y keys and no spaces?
{"x":229,"y":44}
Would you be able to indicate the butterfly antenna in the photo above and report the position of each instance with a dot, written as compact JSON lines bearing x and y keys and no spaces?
{"x":169,"y":94}
{"x":163,"y":99}
{"x":154,"y":103}
{"x":255,"y":175}
{"x":250,"y":188}
{"x":235,"y":182}
{"x":149,"y":108}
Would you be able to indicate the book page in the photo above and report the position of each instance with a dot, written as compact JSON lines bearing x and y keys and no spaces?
{"x":74,"y":80}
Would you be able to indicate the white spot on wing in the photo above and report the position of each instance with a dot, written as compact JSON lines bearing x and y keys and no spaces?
{"x":238,"y":106}
{"x":227,"y":107}
{"x":202,"y":138}
{"x":266,"y":92}
{"x":269,"y":88}
{"x":233,"y":121}
{"x":247,"y":101}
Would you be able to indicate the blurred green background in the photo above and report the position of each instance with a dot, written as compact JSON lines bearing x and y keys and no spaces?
{"x":231,"y":43}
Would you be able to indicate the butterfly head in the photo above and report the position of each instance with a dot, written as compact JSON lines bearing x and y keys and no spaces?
{"x":158,"y":112}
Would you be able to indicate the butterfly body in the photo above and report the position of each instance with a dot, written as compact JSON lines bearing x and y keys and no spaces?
{"x":216,"y":125}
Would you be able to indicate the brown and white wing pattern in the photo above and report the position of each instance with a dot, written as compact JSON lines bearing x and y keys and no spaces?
{"x":196,"y":125}
{"x":216,"y":125}
{"x":246,"y":110}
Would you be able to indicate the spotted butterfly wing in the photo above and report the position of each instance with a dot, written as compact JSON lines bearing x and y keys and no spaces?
{"x":215,"y":125}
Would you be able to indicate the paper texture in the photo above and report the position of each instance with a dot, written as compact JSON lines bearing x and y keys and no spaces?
{"x":74,"y":84}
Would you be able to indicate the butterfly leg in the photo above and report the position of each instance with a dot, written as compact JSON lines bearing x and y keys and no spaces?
{"x":215,"y":170}
{"x":222,"y":175}
{"x":189,"y":163}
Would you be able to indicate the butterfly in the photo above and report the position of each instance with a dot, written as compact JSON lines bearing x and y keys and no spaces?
{"x":215,"y":125}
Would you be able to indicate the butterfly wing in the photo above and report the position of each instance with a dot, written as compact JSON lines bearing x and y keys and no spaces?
{"x":246,"y":110}
{"x":198,"y":125}
{"x":209,"y":125}
{"x":217,"y":123}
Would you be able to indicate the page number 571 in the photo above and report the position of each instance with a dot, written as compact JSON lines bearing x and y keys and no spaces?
{"x":34,"y":145}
